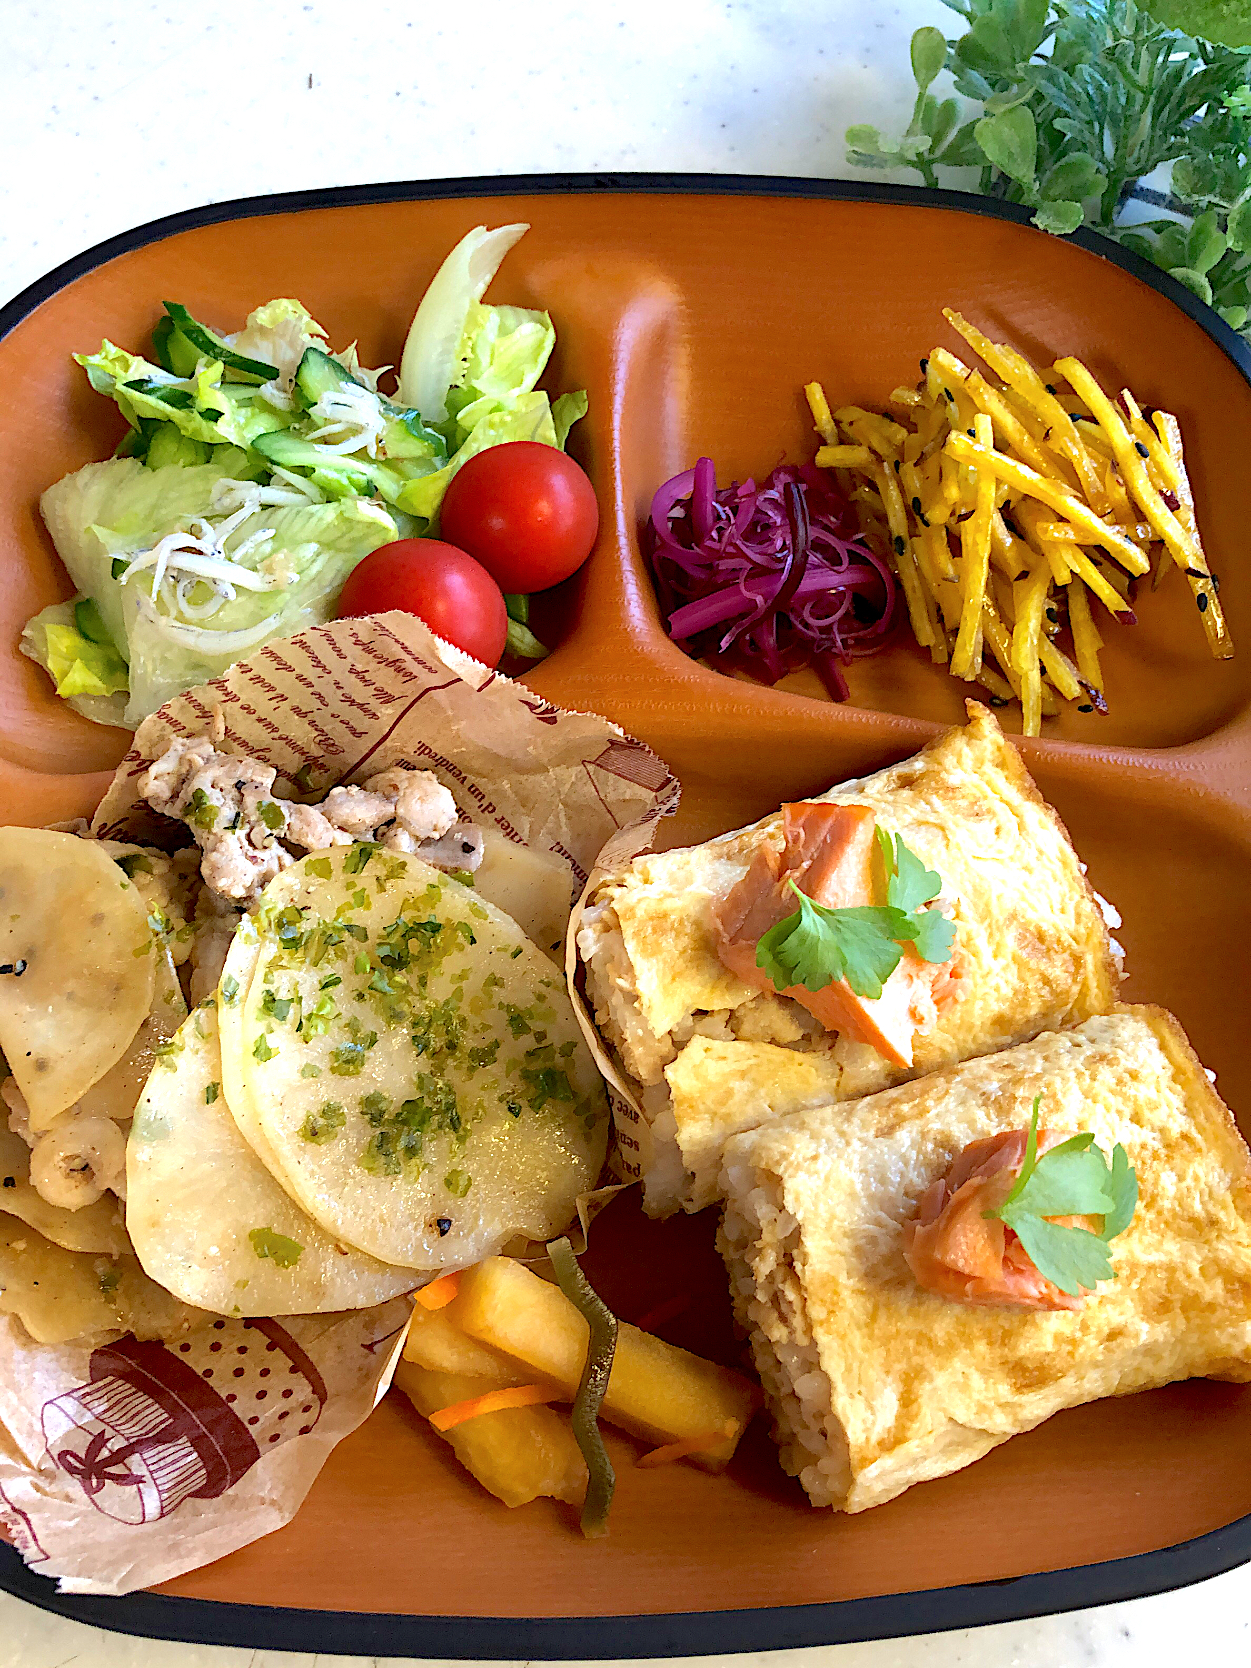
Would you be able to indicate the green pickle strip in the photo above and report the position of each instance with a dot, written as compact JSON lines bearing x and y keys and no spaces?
{"x":600,"y":1350}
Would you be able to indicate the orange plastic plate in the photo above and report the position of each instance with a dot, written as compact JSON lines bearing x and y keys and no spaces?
{"x":694,"y":310}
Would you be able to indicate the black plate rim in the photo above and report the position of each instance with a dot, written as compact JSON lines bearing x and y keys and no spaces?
{"x":629,"y":1637}
{"x":586,"y":1638}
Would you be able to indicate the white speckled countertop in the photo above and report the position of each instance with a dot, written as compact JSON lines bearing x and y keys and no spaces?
{"x":116,"y":113}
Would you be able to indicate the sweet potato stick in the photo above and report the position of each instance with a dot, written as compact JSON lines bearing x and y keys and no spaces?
{"x":905,"y":561}
{"x":1049,"y":492}
{"x":1086,"y":639}
{"x":975,"y":546}
{"x":1019,"y":374}
{"x":822,"y":419}
{"x":1181,"y":544}
{"x":1202,"y":581}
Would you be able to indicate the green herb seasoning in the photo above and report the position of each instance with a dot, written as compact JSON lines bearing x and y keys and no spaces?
{"x":275,"y":1247}
{"x":322,"y":1126}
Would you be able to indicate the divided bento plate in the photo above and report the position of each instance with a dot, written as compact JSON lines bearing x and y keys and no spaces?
{"x":694,"y":309}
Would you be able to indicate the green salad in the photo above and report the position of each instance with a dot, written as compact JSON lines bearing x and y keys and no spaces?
{"x":260,"y":466}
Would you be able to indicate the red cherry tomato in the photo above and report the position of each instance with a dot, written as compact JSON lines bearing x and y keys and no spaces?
{"x":526,"y":511}
{"x":452,"y":593}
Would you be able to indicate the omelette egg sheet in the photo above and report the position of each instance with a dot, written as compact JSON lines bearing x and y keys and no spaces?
{"x":1031,"y":938}
{"x":875,"y":1383}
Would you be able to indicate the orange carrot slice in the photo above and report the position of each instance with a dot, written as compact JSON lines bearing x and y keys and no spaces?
{"x":439,"y":1293}
{"x":688,"y":1445}
{"x":523,"y":1395}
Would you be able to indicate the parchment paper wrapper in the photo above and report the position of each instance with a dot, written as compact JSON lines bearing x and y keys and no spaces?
{"x":632,"y":1148}
{"x":126,"y":1464}
{"x":111,"y":1479}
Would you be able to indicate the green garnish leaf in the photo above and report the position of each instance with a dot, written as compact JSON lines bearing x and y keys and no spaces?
{"x":276,"y":1247}
{"x":261,"y":1049}
{"x":211,"y":1092}
{"x":319,"y":866}
{"x":817,"y":946}
{"x":229,"y":989}
{"x":272,"y":815}
{"x":1072,"y":1179}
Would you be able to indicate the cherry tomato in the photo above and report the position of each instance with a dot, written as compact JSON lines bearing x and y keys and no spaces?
{"x":452,"y":593}
{"x":526,"y":511}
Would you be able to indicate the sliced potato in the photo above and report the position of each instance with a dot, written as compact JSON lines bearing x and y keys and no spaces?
{"x":533,"y":887}
{"x":58,"y":1294}
{"x":118,"y":1091}
{"x":387,"y":995}
{"x":97,"y":1228}
{"x":207,"y":1219}
{"x":517,"y":1453}
{"x":78,"y":966}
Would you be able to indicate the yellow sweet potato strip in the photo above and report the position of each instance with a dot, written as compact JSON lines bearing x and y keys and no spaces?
{"x":822,"y":418}
{"x":1058,"y":498}
{"x":1019,"y":374}
{"x":905,"y":561}
{"x":1086,"y":639}
{"x":975,"y":550}
{"x":1202,"y":583}
{"x":1181,"y":544}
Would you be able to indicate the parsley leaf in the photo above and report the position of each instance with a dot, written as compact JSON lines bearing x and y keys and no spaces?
{"x":1072,"y":1179}
{"x":817,"y":946}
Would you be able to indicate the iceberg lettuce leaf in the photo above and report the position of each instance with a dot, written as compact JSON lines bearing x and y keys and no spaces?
{"x":308,"y":555}
{"x":91,"y":677}
{"x":528,"y":417}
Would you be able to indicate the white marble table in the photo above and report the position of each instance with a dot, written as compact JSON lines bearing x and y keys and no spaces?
{"x":116,"y":114}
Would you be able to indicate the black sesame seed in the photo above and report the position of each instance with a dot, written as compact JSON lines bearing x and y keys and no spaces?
{"x":973,"y":432}
{"x":1053,"y":616}
{"x":1086,"y":707}
{"x":916,"y":506}
{"x":1050,"y":387}
{"x":10,"y":1181}
{"x":997,"y":701}
{"x":1141,"y":449}
{"x":899,"y":545}
{"x":16,"y":968}
{"x":466,"y":845}
{"x":1192,"y":573}
{"x":444,"y":1225}
{"x":1202,"y":600}
{"x":896,"y":466}
{"x":925,"y":367}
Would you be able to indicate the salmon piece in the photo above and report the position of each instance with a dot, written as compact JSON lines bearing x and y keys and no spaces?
{"x":828,"y":853}
{"x":954,"y":1250}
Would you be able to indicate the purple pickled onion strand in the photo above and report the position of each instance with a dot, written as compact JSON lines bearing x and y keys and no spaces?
{"x":766,"y":578}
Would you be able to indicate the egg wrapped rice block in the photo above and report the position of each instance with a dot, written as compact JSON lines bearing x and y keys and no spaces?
{"x":706,"y":1056}
{"x":875,"y":1383}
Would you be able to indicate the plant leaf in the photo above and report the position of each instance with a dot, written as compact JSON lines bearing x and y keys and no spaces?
{"x":935,"y":936}
{"x":910,"y":883}
{"x":1072,"y":1179}
{"x":929,"y":54}
{"x":1070,"y":1258}
{"x":1206,"y":243}
{"x":1010,"y":142}
{"x":1123,"y":1182}
{"x":1072,"y":179}
{"x":1228,"y":22}
{"x":1238,"y":227}
{"x":1194,"y":281}
{"x":1059,"y":218}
